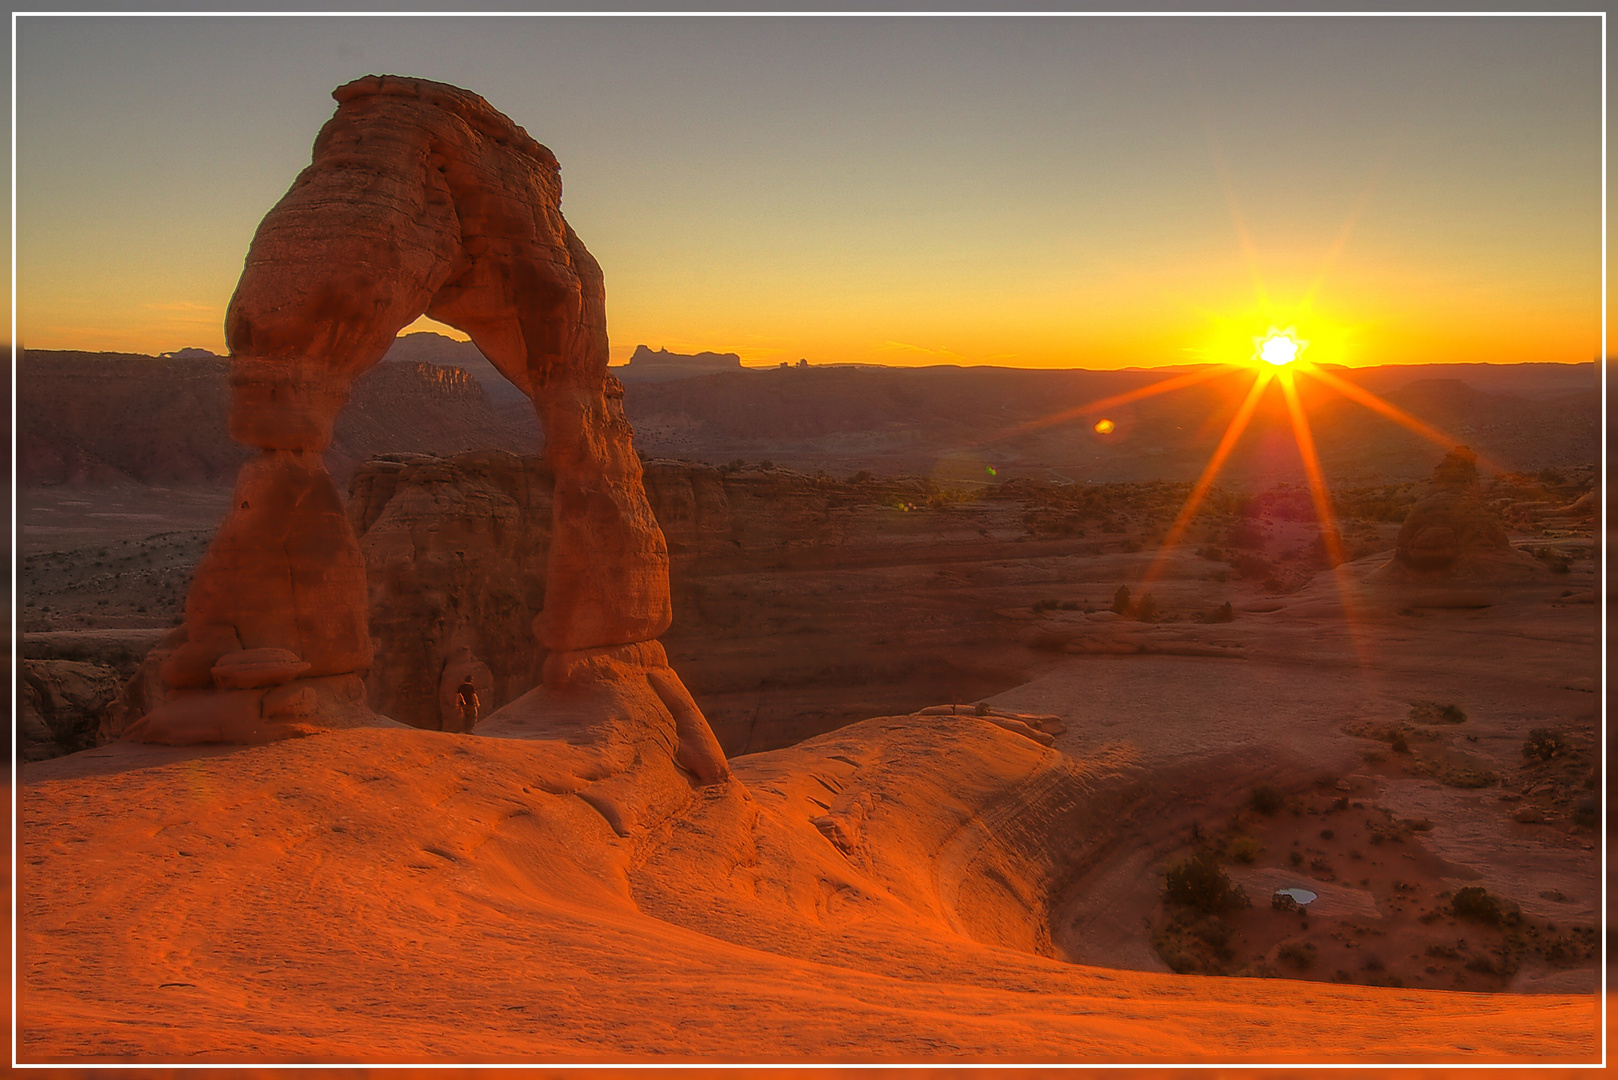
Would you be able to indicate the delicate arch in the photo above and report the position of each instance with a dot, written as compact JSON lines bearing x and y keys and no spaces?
{"x":420,"y":199}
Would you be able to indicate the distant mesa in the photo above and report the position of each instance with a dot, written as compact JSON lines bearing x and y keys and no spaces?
{"x":426,"y":347}
{"x":188,"y":354}
{"x":645,"y":365}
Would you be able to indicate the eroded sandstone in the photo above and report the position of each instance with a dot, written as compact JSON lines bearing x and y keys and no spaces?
{"x":420,"y":198}
{"x":1451,"y":534}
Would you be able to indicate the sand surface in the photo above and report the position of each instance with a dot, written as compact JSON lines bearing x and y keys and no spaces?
{"x":906,"y":889}
{"x":1208,"y":730}
{"x":400,"y":896}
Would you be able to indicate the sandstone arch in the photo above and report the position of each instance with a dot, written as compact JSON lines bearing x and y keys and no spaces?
{"x":420,"y":198}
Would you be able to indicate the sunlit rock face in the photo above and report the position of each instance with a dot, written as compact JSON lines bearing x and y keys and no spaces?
{"x":420,"y":198}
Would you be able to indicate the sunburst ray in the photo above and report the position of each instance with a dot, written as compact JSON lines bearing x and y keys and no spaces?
{"x":1325,"y":516}
{"x":1362,"y":396}
{"x":1233,"y":432}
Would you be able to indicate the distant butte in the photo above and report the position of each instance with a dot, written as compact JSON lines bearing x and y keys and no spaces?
{"x":648,"y":366}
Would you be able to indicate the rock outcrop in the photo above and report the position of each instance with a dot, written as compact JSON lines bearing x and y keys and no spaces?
{"x":420,"y":198}
{"x":1450,"y":534}
{"x":61,"y":705}
{"x":457,"y":552}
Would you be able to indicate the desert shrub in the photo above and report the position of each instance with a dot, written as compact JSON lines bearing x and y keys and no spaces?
{"x":861,"y":477}
{"x":1266,"y":799}
{"x":1252,"y":567}
{"x":1299,"y":954}
{"x":1398,"y":743}
{"x":1586,"y":811}
{"x":1431,"y":712}
{"x":1209,"y":552}
{"x":1211,"y":931}
{"x":1558,"y":562}
{"x":1246,"y":535}
{"x":1475,"y":903}
{"x":1222,"y":614}
{"x":1559,"y":950}
{"x":1120,"y":601}
{"x":1244,"y":849}
{"x":1295,"y":857}
{"x":1544,"y":744}
{"x":1200,"y":883}
{"x":1491,"y":965}
{"x":1454,"y":770}
{"x":948,"y":497}
{"x":1147,"y":611}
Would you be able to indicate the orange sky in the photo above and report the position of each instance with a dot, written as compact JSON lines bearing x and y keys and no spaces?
{"x":1080,"y":192}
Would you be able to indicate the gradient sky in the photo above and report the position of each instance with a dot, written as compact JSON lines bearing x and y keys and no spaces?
{"x":1097,"y":192}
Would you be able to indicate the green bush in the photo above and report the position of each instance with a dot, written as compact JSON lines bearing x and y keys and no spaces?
{"x":1475,"y":903}
{"x":1266,"y":800}
{"x":1586,"y":811}
{"x":1544,"y":744}
{"x":1300,"y":954}
{"x":1200,"y":883}
{"x":1211,"y":931}
{"x":1431,"y":712}
{"x":1244,"y":849}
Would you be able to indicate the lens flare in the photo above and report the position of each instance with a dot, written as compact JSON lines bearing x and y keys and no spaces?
{"x":1278,"y":347}
{"x":1105,"y":426}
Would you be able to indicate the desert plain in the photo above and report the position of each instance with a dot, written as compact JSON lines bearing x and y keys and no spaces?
{"x":881,"y":879}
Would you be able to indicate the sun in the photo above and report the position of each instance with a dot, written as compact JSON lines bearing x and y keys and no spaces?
{"x":1278,"y":347}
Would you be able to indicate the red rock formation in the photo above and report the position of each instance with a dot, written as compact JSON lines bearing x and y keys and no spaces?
{"x":1450,"y":531}
{"x":60,"y":706}
{"x":420,"y":198}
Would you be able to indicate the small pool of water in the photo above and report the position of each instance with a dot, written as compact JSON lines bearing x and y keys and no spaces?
{"x":1299,"y":896}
